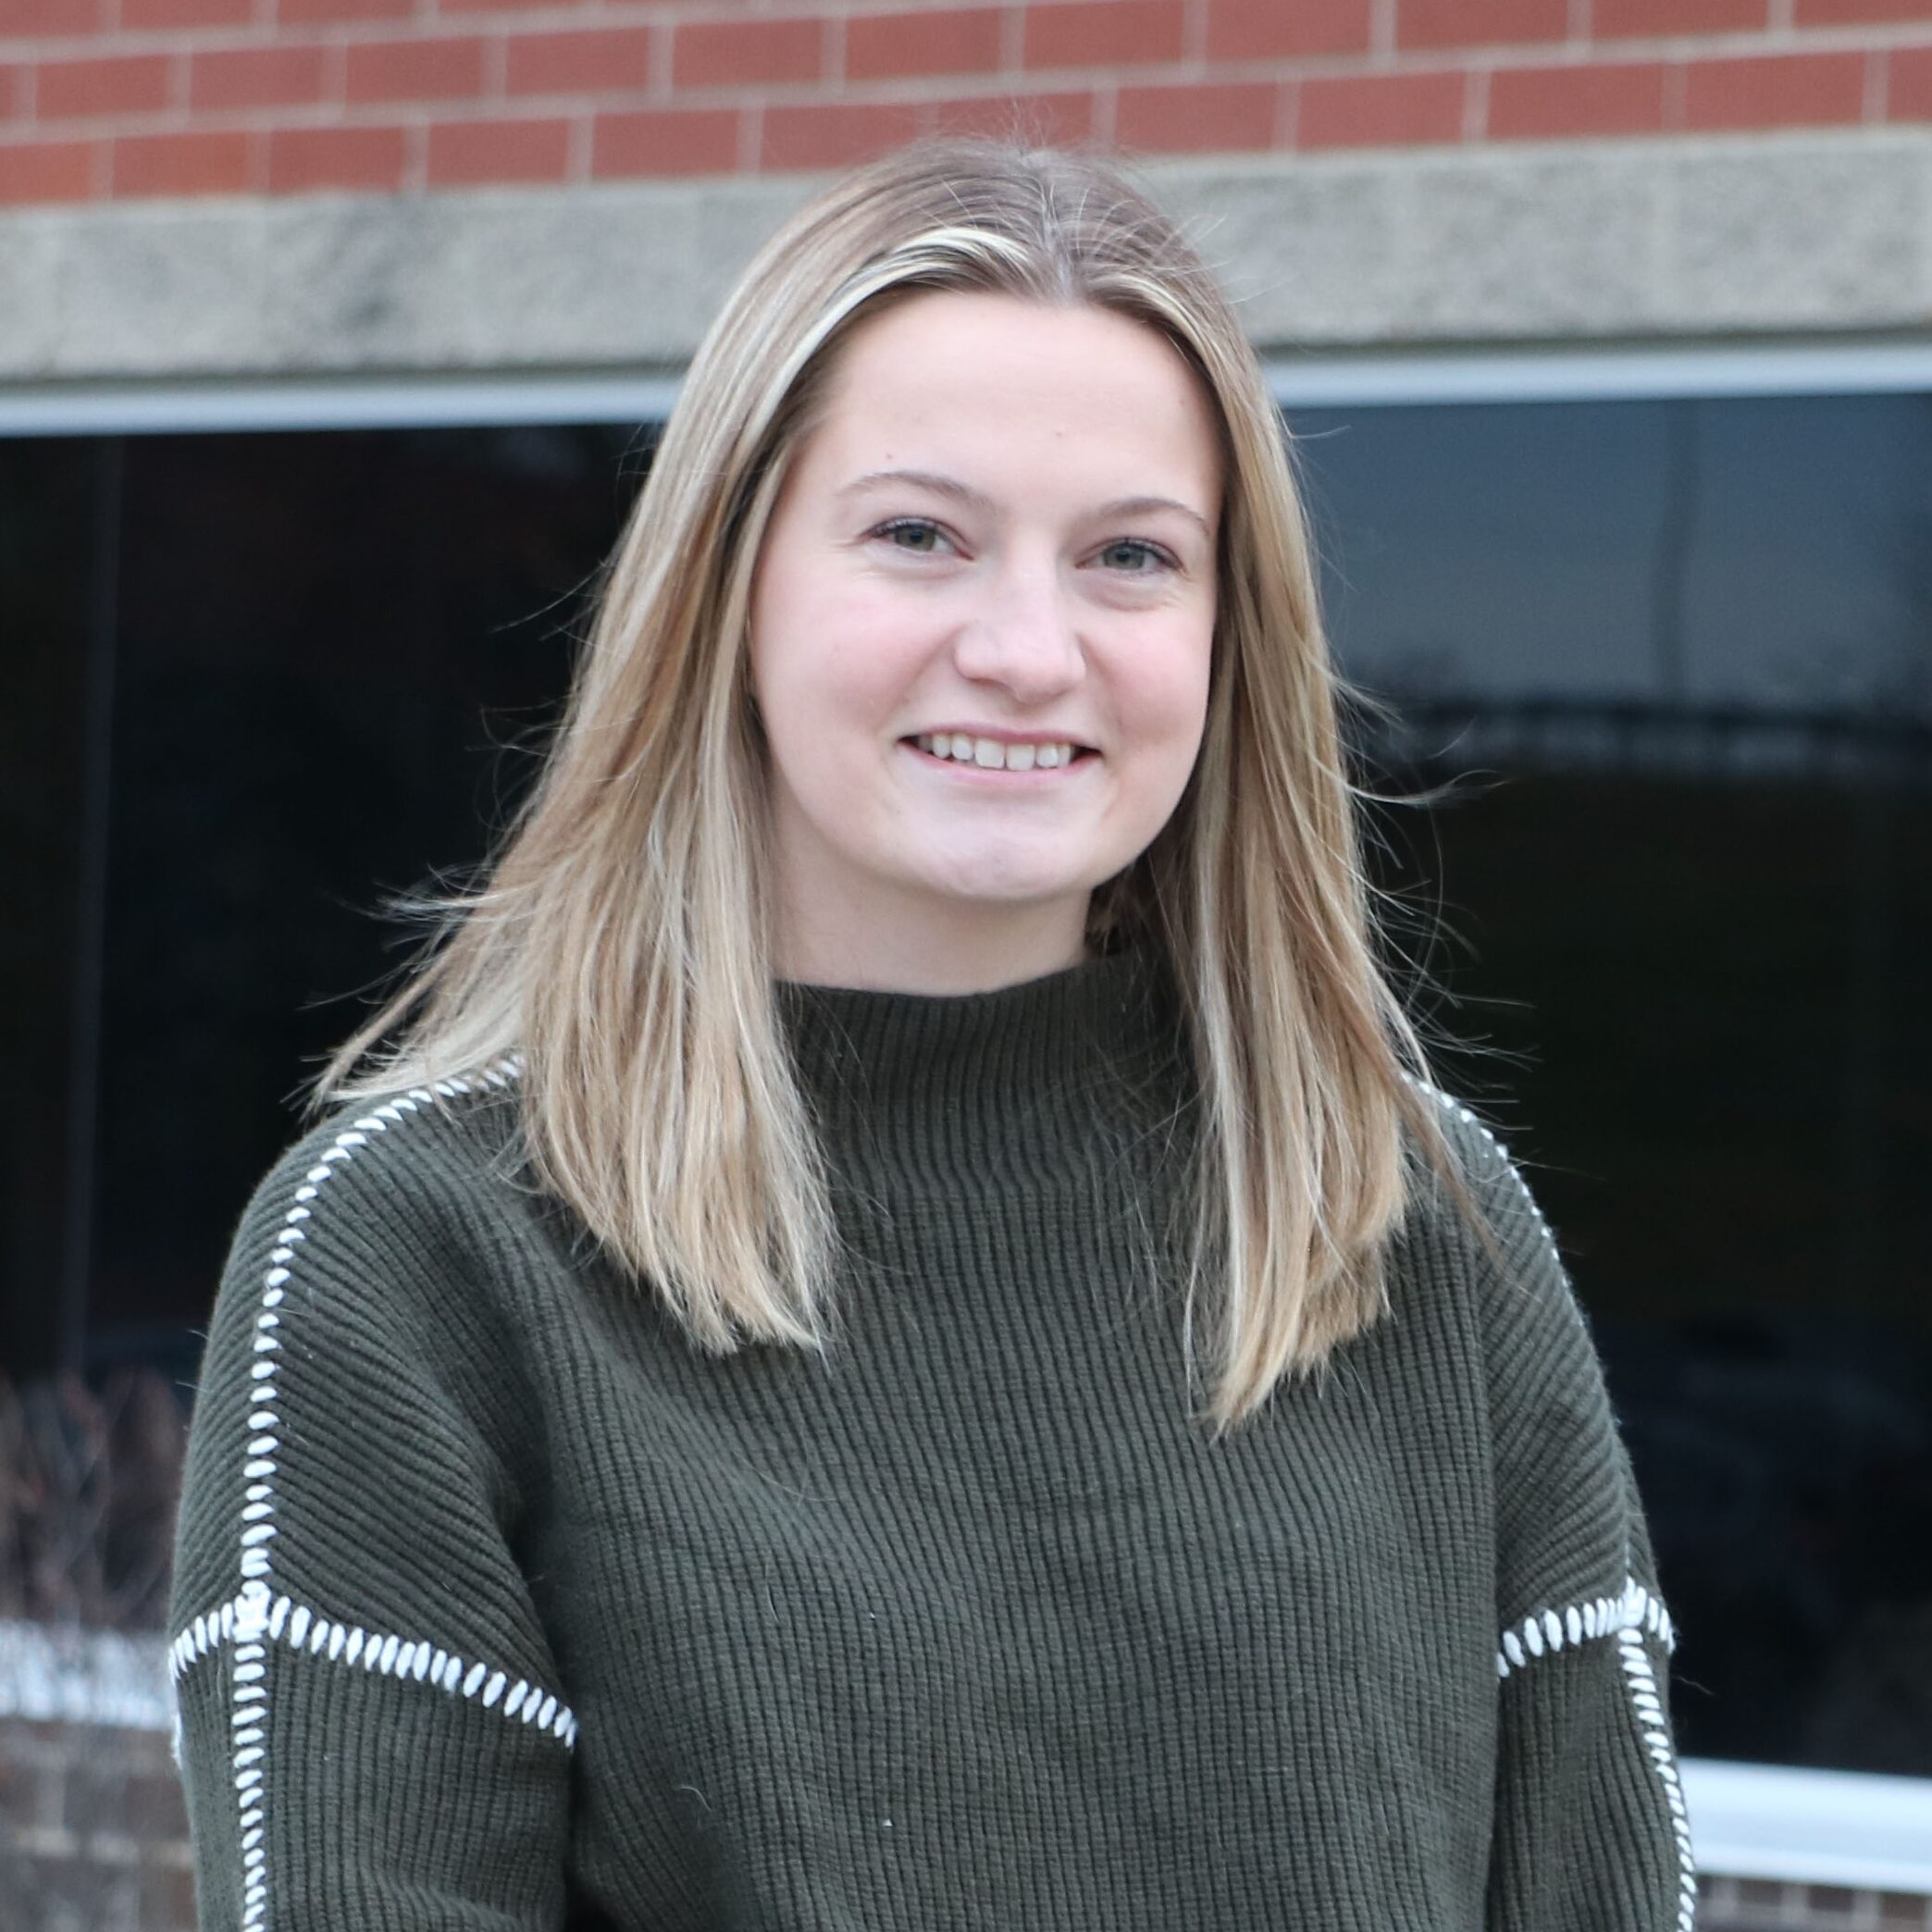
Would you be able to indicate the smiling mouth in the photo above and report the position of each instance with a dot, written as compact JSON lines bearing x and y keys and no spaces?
{"x":996,"y":754}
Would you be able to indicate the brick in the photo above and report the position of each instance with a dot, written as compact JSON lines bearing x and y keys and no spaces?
{"x":167,"y":1899}
{"x":957,"y":40}
{"x":1232,"y":114}
{"x":156,"y":1812}
{"x":1908,"y":96}
{"x":444,"y":69}
{"x":836,"y":134}
{"x":1775,"y":91}
{"x":305,"y":158}
{"x":466,"y":153}
{"x":1831,"y":1905}
{"x":1904,"y":1912}
{"x":1275,"y":29}
{"x":77,"y":1892}
{"x":1061,"y":118}
{"x":152,"y":14}
{"x":1367,"y":110}
{"x":48,"y":171}
{"x":1474,"y":23}
{"x":194,"y":163}
{"x":138,"y":83}
{"x":49,"y":19}
{"x":1103,"y":33}
{"x":257,"y":77}
{"x":13,"y":93}
{"x":475,"y":7}
{"x":729,"y":53}
{"x":304,"y":13}
{"x":664,"y":140}
{"x":1851,"y":13}
{"x":601,"y":60}
{"x":1612,"y":20}
{"x":96,"y":1795}
{"x":1606,"y":97}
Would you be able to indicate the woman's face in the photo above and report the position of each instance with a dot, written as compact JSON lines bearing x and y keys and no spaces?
{"x":981,"y":628}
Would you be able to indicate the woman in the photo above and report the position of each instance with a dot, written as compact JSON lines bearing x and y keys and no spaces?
{"x":890,"y":1334}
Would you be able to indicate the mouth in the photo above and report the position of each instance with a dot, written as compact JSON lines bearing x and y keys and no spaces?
{"x":989,"y":754}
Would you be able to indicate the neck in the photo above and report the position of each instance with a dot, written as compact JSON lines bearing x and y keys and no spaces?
{"x":930,"y":948}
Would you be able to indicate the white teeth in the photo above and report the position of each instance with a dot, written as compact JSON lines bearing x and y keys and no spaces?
{"x":994,"y":754}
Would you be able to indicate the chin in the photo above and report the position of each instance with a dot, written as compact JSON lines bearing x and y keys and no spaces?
{"x":1009,"y":894}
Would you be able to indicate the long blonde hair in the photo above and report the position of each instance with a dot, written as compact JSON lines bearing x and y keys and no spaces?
{"x":620,"y":941}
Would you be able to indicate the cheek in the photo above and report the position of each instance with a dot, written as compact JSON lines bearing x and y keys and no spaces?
{"x":839,"y":661}
{"x":1162,"y":694}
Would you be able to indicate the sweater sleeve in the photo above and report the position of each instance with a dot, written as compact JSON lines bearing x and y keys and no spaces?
{"x":371,"y":1730}
{"x":1590,"y":1832}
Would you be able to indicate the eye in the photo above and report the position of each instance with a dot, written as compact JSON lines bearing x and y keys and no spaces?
{"x":915,"y":528}
{"x":1135,"y":546}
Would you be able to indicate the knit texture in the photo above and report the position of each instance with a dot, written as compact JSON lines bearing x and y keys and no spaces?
{"x":499,"y":1605}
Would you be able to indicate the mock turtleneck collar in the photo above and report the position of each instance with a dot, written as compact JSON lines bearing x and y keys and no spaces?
{"x":998,"y":1087}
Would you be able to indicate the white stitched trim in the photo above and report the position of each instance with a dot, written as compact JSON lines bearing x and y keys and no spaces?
{"x":300,"y":1627}
{"x":1543,"y":1632}
{"x":254,"y":1613}
{"x":1647,"y":1709}
{"x":1628,"y":1619}
{"x":1450,"y":1104}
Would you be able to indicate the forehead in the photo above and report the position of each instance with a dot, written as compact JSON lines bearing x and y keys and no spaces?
{"x":993,"y":380}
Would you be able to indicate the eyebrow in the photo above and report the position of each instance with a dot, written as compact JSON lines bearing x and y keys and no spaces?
{"x":978,"y":500}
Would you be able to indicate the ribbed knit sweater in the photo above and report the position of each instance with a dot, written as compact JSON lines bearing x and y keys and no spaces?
{"x":500,"y":1606}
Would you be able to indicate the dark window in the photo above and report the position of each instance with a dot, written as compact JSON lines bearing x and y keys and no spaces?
{"x":1673,"y":662}
{"x":323,"y":651}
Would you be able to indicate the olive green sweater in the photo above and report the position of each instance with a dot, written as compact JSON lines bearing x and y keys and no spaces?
{"x":498,"y":1606}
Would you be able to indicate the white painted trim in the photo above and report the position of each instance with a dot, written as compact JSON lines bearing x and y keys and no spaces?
{"x":254,"y":405}
{"x":52,"y":1676}
{"x":1810,"y":1827}
{"x":1374,"y":380}
{"x":1634,"y":374}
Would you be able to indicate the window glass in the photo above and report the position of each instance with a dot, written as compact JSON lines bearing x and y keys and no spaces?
{"x":331,"y":648}
{"x":1674,"y":662}
{"x":51,"y":638}
{"x":1663,"y":672}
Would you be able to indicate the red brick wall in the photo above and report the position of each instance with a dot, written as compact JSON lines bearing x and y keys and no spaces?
{"x":106,"y":98}
{"x":93,"y":1833}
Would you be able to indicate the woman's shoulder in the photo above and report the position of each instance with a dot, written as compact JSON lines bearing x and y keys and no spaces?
{"x":360,"y":1407}
{"x":1484,"y":1238}
{"x":1567,"y":1514}
{"x":1484,"y":1208}
{"x":386,"y":1213}
{"x":429,"y":1158}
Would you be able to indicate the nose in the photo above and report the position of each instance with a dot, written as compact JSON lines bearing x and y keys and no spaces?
{"x":1023,"y":639}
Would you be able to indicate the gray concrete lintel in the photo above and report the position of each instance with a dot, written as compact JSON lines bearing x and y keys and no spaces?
{"x":1810,"y":233}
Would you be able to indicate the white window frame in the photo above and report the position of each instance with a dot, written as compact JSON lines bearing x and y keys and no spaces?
{"x":1748,"y":1821}
{"x":1310,"y":380}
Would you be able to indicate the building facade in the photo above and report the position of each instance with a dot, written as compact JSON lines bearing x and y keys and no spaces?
{"x":332,"y":338}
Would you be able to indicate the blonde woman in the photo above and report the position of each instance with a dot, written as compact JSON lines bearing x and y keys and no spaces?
{"x":891,"y":1334}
